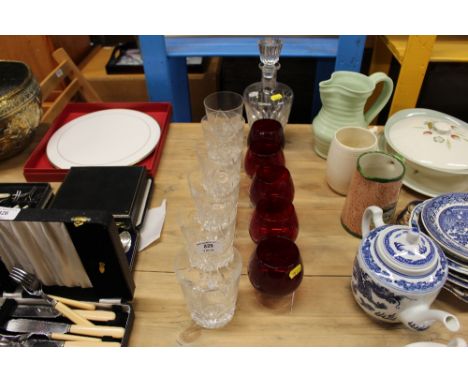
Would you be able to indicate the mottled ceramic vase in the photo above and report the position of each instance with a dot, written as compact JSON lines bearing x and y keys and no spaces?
{"x":343,"y":98}
{"x":376,"y":181}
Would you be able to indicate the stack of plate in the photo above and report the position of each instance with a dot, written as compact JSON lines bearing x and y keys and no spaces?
{"x":435,"y":148}
{"x":445,"y":219}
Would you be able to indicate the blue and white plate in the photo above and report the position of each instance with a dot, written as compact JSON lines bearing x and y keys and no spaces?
{"x":459,"y":276}
{"x":415,"y":217}
{"x":457,"y":266}
{"x":445,"y":218}
{"x":457,"y":281}
{"x":458,"y":292}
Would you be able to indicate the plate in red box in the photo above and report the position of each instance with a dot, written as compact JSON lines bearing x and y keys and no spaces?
{"x":38,"y":168}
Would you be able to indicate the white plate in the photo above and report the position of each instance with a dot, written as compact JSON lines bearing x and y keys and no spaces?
{"x":434,"y":185}
{"x":456,"y":342}
{"x":114,"y":137}
{"x":425,"y":181}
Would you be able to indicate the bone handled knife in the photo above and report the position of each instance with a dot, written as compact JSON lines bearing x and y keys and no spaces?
{"x":56,"y":343}
{"x":21,"y":325}
{"x":47,"y":311}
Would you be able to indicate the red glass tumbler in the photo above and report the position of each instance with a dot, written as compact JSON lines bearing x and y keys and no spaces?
{"x":275,"y":267}
{"x":271,"y":180}
{"x":253,"y":160}
{"x":265,"y":135}
{"x":274,"y":216}
{"x":265,"y":142}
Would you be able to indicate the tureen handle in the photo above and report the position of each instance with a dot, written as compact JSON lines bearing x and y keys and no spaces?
{"x":374,"y":213}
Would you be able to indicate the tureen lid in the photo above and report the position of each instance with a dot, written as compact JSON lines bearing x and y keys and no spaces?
{"x":430,"y":139}
{"x":404,"y":259}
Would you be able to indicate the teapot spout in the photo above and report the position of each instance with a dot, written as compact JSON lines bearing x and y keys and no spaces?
{"x":420,"y":318}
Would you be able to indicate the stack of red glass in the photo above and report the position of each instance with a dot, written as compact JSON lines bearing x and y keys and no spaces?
{"x":275,"y":267}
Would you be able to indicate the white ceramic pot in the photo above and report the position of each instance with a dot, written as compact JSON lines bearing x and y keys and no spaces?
{"x":347,"y":145}
{"x":398,"y":272}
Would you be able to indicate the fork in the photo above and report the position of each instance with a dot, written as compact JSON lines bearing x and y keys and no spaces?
{"x":32,"y":285}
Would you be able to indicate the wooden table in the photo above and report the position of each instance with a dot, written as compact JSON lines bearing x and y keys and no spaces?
{"x":324,"y":312}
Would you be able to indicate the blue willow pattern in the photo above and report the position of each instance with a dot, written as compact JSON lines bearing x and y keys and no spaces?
{"x":368,"y":290}
{"x":407,"y":285}
{"x":453,"y":222}
{"x":445,"y":218}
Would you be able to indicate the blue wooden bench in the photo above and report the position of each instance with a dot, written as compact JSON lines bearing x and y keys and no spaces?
{"x":166,"y":70}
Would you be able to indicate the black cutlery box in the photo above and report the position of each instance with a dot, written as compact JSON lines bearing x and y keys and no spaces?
{"x":123,"y":191}
{"x":96,"y":248}
{"x":87,"y":216}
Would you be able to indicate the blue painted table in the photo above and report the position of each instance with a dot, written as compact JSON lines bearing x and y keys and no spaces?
{"x":166,"y":69}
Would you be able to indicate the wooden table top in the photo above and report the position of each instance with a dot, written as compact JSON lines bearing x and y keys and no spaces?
{"x":324,"y":312}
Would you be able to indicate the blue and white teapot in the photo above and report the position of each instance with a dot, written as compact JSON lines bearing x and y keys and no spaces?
{"x":397,"y":274}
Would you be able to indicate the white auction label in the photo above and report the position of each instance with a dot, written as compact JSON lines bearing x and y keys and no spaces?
{"x":7,"y":213}
{"x":208,"y":246}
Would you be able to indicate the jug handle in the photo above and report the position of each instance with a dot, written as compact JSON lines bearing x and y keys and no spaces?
{"x":375,"y":213}
{"x":383,"y":97}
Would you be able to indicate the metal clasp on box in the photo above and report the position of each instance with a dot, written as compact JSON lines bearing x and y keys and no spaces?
{"x":80,"y":220}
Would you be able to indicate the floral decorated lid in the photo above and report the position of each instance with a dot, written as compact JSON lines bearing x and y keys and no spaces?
{"x":405,"y":259}
{"x":430,"y":139}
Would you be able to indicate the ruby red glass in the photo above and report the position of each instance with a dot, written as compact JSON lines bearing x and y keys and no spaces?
{"x":274,"y":216}
{"x":271,"y":181}
{"x":254,"y":160}
{"x":275,"y":267}
{"x":265,"y":136}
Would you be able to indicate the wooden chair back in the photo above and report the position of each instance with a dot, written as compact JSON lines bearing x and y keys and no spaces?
{"x":69,"y":76}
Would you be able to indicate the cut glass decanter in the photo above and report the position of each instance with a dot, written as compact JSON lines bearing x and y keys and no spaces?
{"x":268,"y":99}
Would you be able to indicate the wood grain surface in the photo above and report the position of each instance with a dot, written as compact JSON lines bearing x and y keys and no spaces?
{"x":323,"y":312}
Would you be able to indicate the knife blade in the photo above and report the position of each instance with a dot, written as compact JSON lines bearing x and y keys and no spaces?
{"x":47,"y":311}
{"x":22,"y":325}
{"x":32,"y":342}
{"x":20,"y":338}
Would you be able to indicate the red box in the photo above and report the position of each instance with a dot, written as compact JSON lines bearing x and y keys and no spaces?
{"x":38,"y":167}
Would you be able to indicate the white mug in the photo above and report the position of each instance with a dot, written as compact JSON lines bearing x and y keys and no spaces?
{"x":346,"y":146}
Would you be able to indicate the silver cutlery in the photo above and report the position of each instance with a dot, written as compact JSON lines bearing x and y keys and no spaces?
{"x":46,"y":311}
{"x":31,"y":340}
{"x":33,"y":286}
{"x":20,"y":325}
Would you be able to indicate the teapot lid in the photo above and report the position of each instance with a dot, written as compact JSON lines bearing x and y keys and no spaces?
{"x":406,"y":250}
{"x":404,"y":259}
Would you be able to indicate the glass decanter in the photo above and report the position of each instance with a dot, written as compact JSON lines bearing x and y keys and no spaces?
{"x":268,"y":99}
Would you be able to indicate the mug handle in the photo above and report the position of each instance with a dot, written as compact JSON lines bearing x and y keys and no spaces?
{"x":375,"y":213}
{"x":383,"y":97}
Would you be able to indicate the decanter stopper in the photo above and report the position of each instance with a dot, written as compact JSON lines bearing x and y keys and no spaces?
{"x":270,"y":49}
